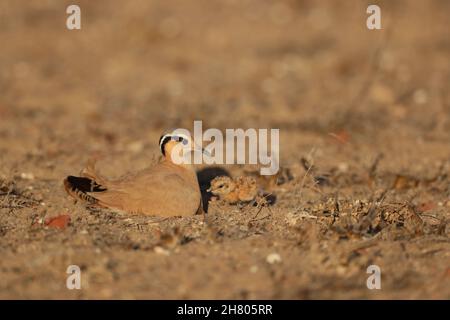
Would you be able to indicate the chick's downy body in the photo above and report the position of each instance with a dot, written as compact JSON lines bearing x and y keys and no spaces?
{"x":242,"y":189}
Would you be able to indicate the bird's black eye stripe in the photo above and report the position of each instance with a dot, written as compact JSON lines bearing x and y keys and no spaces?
{"x":163,"y":140}
{"x":180,"y":139}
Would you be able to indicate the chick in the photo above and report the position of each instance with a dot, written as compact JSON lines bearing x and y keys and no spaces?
{"x":241,"y":189}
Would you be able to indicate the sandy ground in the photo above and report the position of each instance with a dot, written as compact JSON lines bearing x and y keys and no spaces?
{"x":364,"y":125}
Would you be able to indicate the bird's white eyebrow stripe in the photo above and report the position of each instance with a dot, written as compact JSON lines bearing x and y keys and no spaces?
{"x":163,"y":139}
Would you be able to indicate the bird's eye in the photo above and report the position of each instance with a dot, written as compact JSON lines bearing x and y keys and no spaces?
{"x":184,"y":141}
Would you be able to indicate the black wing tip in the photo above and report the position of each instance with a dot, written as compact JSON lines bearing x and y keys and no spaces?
{"x":83,"y":184}
{"x":78,"y":187}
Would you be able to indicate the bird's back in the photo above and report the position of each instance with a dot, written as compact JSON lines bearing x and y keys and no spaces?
{"x":164,"y":189}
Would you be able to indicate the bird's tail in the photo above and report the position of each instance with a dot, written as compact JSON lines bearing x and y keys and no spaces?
{"x":89,"y":182}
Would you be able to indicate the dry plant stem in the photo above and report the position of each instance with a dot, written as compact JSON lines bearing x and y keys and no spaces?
{"x":260,"y":206}
{"x":302,"y":184}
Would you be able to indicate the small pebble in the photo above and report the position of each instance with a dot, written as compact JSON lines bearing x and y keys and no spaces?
{"x":162,"y":251}
{"x":341,"y":270}
{"x":343,"y":167}
{"x":273,"y":258}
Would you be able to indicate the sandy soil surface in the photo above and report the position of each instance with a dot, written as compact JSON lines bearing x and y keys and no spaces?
{"x":364,"y":130}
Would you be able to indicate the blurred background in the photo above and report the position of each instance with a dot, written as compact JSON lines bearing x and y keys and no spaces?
{"x":136,"y":68}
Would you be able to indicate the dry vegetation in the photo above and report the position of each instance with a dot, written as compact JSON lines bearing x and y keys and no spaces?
{"x":364,"y":123}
